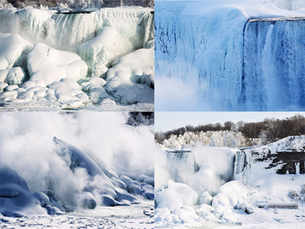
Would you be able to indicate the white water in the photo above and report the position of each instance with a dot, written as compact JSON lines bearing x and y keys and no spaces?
{"x":98,"y":164}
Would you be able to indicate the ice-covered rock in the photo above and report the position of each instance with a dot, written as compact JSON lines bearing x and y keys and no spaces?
{"x":47,"y":65}
{"x":3,"y":74}
{"x":68,"y":93}
{"x":15,"y":196}
{"x":15,"y":76}
{"x":232,"y":195}
{"x":75,"y":158}
{"x":97,"y":95}
{"x":175,"y":196}
{"x":205,"y":198}
{"x":100,"y":51}
{"x":8,"y":96}
{"x":131,"y":80}
{"x":2,"y":86}
{"x":12,"y":50}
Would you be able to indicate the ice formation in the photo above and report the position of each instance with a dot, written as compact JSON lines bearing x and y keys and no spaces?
{"x":231,"y":187}
{"x":109,"y":45}
{"x":104,"y":170}
{"x":236,"y":55}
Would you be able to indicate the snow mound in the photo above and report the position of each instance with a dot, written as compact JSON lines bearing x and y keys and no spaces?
{"x":110,"y":188}
{"x":64,"y":65}
{"x":15,"y":196}
{"x":130,"y":80}
{"x":12,"y":50}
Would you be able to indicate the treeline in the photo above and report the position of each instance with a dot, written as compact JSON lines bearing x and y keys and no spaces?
{"x":78,"y":3}
{"x":268,"y":130}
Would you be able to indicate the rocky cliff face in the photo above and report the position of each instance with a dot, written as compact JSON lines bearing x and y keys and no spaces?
{"x":76,"y":3}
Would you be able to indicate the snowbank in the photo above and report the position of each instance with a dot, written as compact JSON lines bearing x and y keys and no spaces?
{"x":131,"y":79}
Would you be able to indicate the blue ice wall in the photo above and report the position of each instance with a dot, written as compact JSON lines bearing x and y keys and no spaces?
{"x":274,"y":64}
{"x":237,"y":62}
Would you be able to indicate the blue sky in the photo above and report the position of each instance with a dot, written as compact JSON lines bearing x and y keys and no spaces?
{"x":171,"y":120}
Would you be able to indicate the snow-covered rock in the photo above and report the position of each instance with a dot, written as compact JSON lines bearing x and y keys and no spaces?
{"x":100,"y":51}
{"x":3,"y":74}
{"x":15,"y":196}
{"x":47,"y":65}
{"x":131,"y":78}
{"x":68,"y":93}
{"x":15,"y":76}
{"x":12,"y":50}
{"x":205,"y":198}
{"x":176,"y":195}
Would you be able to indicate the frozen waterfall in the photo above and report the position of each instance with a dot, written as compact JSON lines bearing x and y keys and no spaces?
{"x":238,"y":61}
{"x":179,"y":162}
{"x":242,"y":166}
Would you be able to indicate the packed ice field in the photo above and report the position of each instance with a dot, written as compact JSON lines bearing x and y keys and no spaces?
{"x":97,"y":59}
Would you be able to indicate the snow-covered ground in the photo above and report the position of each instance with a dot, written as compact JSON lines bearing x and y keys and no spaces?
{"x":135,"y":216}
{"x":221,"y":188}
{"x":100,"y":59}
{"x":100,"y":175}
{"x":230,"y":55}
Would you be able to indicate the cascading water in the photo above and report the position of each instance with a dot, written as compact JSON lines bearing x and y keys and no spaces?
{"x":274,"y":69}
{"x":242,"y":166}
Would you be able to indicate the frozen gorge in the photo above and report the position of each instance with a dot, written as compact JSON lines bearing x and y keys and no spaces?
{"x":202,"y":186}
{"x":230,"y":55}
{"x":96,"y":59}
{"x":100,"y":177}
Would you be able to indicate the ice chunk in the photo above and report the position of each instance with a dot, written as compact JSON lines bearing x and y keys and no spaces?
{"x":15,"y":76}
{"x":103,"y":49}
{"x":8,"y":96}
{"x":12,"y":49}
{"x":3,"y":74}
{"x":15,"y":195}
{"x":131,"y":80}
{"x":47,"y":65}
{"x":3,"y":86}
{"x":205,"y":198}
{"x":68,"y":93}
{"x":232,"y":195}
{"x":176,"y":196}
